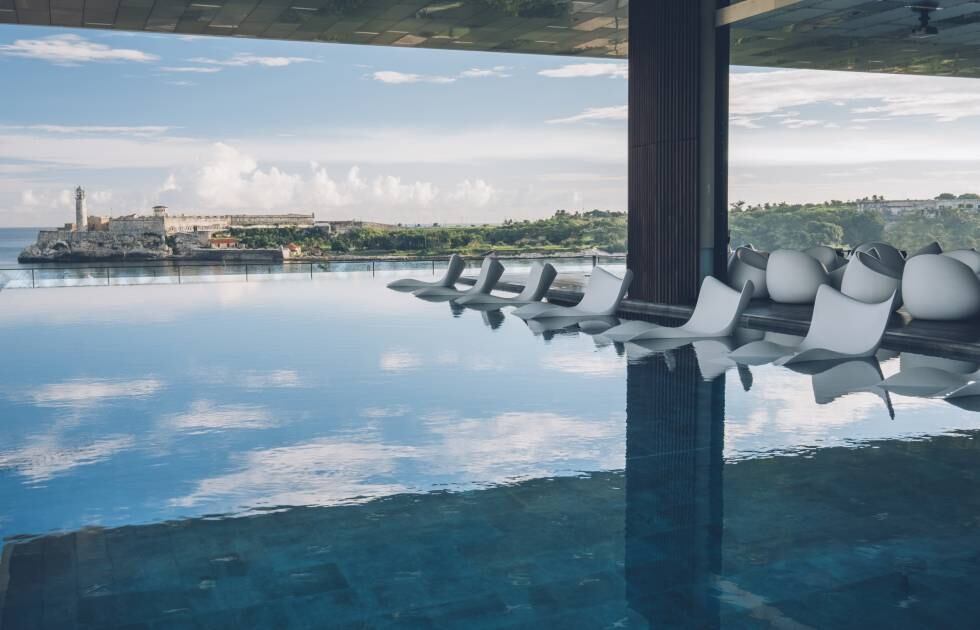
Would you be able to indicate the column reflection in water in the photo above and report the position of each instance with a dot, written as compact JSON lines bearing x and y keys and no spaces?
{"x":674,"y":442}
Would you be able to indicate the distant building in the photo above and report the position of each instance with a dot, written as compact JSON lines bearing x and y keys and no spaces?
{"x":223,"y":242}
{"x":895,"y":207}
{"x":98,"y":224}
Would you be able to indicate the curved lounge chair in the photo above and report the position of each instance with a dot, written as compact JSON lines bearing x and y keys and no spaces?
{"x":602,"y":297}
{"x":538,"y":282}
{"x":748,"y":265}
{"x":716,"y":314}
{"x":872,"y":281}
{"x":941,"y":288}
{"x":453,"y":271}
{"x":490,"y":272}
{"x":883,"y":252}
{"x":969,"y":257}
{"x":931,"y":248}
{"x":841,"y":328}
{"x":793,"y":277}
{"x":827,"y":256}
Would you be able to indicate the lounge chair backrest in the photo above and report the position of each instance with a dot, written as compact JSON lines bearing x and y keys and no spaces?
{"x":453,"y":271}
{"x":719,"y":308}
{"x":490,"y":272}
{"x":604,"y":292}
{"x":845,"y":325}
{"x":538,"y":282}
{"x":751,"y":258}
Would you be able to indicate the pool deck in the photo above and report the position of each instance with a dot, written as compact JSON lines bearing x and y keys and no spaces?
{"x":904,"y":334}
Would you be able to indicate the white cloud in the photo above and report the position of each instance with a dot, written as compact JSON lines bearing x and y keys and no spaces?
{"x":191,"y":69}
{"x":476,"y":193}
{"x":71,"y":50}
{"x":90,"y":392}
{"x":205,"y":416}
{"x":390,"y":189}
{"x":248,"y":59}
{"x":28,"y":198}
{"x":586,"y":70}
{"x":399,"y":361}
{"x":44,"y":457}
{"x":393,"y":77}
{"x":141,"y":131}
{"x":768,"y":92}
{"x":398,"y":78}
{"x":231,"y":179}
{"x":499,"y":72}
{"x":617,"y":112}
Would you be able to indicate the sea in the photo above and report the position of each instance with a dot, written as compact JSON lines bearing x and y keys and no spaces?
{"x":12,"y":242}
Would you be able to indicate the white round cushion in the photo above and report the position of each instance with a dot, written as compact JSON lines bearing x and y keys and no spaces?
{"x":869,"y":280}
{"x":827,"y":256}
{"x":940,"y":287}
{"x":969,"y":257}
{"x":793,"y":277}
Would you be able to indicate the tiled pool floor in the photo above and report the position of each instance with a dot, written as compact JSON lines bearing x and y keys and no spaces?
{"x":854,"y":538}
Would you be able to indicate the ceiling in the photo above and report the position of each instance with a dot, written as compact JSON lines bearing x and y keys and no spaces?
{"x":864,"y":35}
{"x":559,"y":27}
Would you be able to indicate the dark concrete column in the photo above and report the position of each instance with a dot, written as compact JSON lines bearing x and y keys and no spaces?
{"x":678,"y":148}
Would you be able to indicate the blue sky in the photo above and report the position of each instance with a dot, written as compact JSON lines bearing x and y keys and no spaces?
{"x":405,"y":135}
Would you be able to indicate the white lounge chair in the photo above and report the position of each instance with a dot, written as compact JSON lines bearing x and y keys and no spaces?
{"x":872,"y":281}
{"x":841,"y":328}
{"x":925,"y":376}
{"x":883,"y":252}
{"x":793,"y":277}
{"x":490,"y":272}
{"x":748,"y":265}
{"x":538,"y":282}
{"x":453,"y":271}
{"x":602,"y":297}
{"x":940,"y":287}
{"x":716,"y":314}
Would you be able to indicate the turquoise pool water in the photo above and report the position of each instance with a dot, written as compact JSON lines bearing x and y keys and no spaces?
{"x":329,"y":453}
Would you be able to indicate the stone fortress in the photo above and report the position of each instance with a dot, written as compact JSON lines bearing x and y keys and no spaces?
{"x":145,"y":237}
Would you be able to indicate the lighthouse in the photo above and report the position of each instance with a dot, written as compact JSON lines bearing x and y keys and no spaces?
{"x":81,"y":214}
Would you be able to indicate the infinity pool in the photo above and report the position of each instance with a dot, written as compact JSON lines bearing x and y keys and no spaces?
{"x":329,"y":453}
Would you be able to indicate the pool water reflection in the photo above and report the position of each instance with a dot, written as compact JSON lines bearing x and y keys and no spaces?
{"x":275,"y":455}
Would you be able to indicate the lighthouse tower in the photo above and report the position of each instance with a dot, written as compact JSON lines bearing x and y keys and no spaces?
{"x":81,"y":214}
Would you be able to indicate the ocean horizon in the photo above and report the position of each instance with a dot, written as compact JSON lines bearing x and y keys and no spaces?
{"x":12,"y":243}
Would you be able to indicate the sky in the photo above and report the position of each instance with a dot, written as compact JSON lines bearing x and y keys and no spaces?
{"x":213,"y":124}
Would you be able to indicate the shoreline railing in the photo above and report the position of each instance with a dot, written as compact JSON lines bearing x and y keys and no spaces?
{"x":174,"y":272}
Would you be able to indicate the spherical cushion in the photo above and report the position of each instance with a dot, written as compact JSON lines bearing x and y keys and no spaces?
{"x":793,"y":277}
{"x":940,"y":287}
{"x":969,"y":257}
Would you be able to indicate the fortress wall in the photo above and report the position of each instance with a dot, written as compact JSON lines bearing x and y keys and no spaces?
{"x":272,"y":220}
{"x":135,"y":226}
{"x":187,"y":224}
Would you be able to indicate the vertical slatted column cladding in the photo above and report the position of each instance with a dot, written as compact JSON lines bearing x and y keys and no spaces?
{"x":677,"y":148}
{"x":674,"y":460}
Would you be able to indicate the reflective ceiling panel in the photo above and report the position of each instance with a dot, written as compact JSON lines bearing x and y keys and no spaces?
{"x":864,"y":35}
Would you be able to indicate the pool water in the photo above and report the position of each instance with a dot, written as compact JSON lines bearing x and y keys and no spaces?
{"x":330,"y":453}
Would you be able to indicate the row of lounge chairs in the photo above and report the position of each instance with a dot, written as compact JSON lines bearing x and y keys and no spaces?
{"x":931,"y":284}
{"x":842,"y":326}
